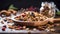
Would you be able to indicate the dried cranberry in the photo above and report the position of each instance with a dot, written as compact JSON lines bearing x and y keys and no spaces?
{"x":19,"y":27}
{"x":24,"y":15}
{"x":4,"y":26}
{"x":3,"y":29}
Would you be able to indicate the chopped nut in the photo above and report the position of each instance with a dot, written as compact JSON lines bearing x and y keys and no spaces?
{"x":47,"y":30}
{"x":52,"y":29}
{"x":11,"y":27}
{"x":17,"y":28}
{"x":12,"y":11}
{"x":24,"y":27}
{"x":34,"y":29}
{"x":27,"y":28}
{"x":57,"y":24}
{"x":41,"y":28}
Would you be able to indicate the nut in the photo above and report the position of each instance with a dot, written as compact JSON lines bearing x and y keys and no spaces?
{"x":11,"y":27}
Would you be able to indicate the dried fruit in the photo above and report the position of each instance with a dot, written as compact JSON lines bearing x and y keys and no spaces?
{"x":4,"y":26}
{"x":23,"y":15}
{"x":3,"y":29}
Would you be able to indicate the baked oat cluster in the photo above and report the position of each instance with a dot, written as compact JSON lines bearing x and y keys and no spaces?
{"x":31,"y":16}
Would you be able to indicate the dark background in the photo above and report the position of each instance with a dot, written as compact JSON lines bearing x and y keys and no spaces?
{"x":4,"y":4}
